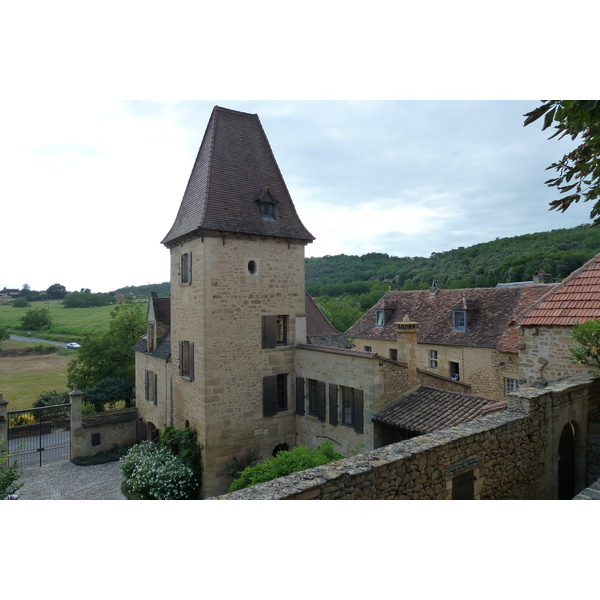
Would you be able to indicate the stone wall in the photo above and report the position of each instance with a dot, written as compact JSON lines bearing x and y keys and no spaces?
{"x":511,"y":455}
{"x":483,"y":369}
{"x":221,"y":312}
{"x":544,"y":355}
{"x":104,"y":431}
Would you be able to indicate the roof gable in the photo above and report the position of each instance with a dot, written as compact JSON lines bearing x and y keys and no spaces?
{"x":235,"y":170}
{"x":575,"y":300}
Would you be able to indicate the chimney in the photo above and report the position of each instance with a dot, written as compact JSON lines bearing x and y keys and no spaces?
{"x":542,"y":277}
{"x":435,"y":286}
{"x":406,"y":336}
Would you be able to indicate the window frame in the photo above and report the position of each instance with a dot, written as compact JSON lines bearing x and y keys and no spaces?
{"x":433,"y":359}
{"x":380,"y":318}
{"x":459,"y":320}
{"x":510,"y":382}
{"x":393,"y":354}
{"x":151,"y":386}
{"x":185,"y":268}
{"x":275,"y":331}
{"x":186,"y":359}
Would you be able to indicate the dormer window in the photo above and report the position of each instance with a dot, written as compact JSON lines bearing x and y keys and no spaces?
{"x":267,"y":206}
{"x":379,"y":318}
{"x":460,"y":320}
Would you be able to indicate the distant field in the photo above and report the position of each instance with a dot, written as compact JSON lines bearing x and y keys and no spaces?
{"x":24,"y":378}
{"x":73,"y":322}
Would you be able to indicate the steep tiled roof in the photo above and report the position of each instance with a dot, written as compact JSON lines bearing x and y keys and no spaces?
{"x":319,"y":331}
{"x":575,"y":300}
{"x":162,"y":308}
{"x":491,"y":313}
{"x":235,"y":166}
{"x":426,"y":409}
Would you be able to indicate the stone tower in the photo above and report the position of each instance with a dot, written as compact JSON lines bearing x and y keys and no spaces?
{"x":237,"y":298}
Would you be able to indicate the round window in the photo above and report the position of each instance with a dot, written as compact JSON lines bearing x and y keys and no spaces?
{"x":252,"y":267}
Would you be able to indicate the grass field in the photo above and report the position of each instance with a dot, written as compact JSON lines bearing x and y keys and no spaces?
{"x":23,"y":378}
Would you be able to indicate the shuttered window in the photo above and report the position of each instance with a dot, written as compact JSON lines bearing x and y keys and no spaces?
{"x":352,"y":408}
{"x":274,"y":331}
{"x":333,"y":404}
{"x":299,"y":395}
{"x":151,"y":388}
{"x":186,"y":359}
{"x":275,"y":394}
{"x":185,"y":267}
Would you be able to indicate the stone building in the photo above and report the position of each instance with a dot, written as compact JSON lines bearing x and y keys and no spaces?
{"x":465,"y":335}
{"x":545,"y":328}
{"x":239,"y":351}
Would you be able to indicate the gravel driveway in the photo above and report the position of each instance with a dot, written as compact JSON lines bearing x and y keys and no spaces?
{"x":66,"y":481}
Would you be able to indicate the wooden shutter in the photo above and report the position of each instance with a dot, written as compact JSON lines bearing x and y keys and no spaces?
{"x":333,"y":404}
{"x":180,"y":358}
{"x":191,"y":360}
{"x":321,"y":409}
{"x":155,"y":391}
{"x":300,"y":395}
{"x":189,"y":268}
{"x":269,"y":331}
{"x":146,"y":386}
{"x":269,"y":395}
{"x":358,"y":411}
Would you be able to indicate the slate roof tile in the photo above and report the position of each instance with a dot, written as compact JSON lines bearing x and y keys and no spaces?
{"x":491,"y":313}
{"x":234,"y":167}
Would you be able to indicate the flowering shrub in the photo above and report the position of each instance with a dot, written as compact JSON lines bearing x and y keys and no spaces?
{"x":22,"y":419}
{"x":155,"y":473}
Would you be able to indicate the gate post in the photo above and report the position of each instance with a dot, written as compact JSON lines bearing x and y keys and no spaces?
{"x":3,"y":423}
{"x":76,"y":415}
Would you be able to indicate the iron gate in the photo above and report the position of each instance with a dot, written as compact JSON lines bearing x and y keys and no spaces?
{"x":39,"y":435}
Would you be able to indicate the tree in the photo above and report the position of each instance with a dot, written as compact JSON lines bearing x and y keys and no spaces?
{"x":110,"y":391}
{"x":56,"y":291}
{"x":4,"y":335}
{"x":588,"y":336}
{"x":579,"y":170}
{"x":109,"y":354}
{"x":36,"y":319}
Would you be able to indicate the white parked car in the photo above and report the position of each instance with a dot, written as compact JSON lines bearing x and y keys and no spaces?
{"x":73,"y":345}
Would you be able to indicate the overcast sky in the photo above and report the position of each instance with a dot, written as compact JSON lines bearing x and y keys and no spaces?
{"x":90,"y":188}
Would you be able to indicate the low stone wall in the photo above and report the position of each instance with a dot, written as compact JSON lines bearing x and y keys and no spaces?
{"x":509,"y":455}
{"x":104,"y":431}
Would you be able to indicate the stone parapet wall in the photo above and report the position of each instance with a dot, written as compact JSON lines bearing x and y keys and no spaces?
{"x":510,"y":454}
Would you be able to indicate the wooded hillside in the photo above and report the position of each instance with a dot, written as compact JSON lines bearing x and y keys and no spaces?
{"x":346,"y":286}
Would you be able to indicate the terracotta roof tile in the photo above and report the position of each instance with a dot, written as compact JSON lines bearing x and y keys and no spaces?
{"x":576,"y":299}
{"x":234,"y":167}
{"x":491,"y":313}
{"x":427,"y":409}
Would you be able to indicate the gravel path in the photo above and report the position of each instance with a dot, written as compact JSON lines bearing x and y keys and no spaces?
{"x":66,"y":481}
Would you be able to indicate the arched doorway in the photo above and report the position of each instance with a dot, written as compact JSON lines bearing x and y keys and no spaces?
{"x":280,"y":448}
{"x":566,"y":463}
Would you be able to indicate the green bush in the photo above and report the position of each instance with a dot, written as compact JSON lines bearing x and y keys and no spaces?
{"x":284,"y":463}
{"x":52,"y":399}
{"x":21,"y":303}
{"x":155,"y":473}
{"x":9,"y":476}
